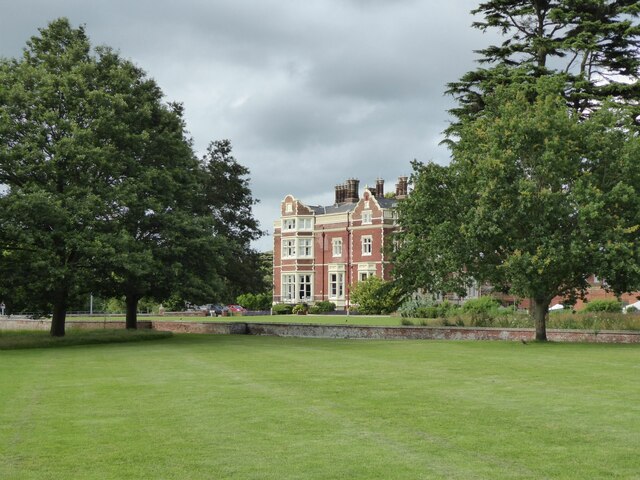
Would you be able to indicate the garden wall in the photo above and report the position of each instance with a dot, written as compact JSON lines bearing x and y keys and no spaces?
{"x":341,"y":331}
{"x":435,"y":333}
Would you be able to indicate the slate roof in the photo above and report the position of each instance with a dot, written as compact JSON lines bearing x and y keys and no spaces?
{"x":348,"y":207}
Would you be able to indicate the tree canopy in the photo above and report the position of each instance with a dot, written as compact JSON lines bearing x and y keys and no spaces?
{"x":536,"y":199}
{"x":105,"y":193}
{"x":592,"y":43}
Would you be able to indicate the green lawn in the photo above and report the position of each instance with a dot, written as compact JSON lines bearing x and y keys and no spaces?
{"x":385,"y":320}
{"x":246,"y":407}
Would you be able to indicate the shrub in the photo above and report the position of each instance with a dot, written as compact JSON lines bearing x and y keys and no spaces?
{"x":251,"y":301}
{"x":482,"y":311}
{"x":426,"y":308}
{"x":301,"y":308}
{"x":323,"y":307}
{"x":631,"y":309}
{"x":375,"y":296}
{"x":482,"y":305}
{"x":611,"y":306}
{"x":282,"y":309}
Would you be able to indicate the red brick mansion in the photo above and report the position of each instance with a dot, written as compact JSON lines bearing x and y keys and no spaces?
{"x":319,"y":251}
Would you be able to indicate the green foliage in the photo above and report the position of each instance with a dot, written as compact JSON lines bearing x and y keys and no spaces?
{"x":105,"y":193}
{"x":300,"y":308}
{"x":322,"y":307}
{"x":535,"y":211}
{"x":227,"y":199}
{"x":115,"y":305}
{"x":251,"y":301}
{"x":604,"y":305}
{"x":375,"y":296}
{"x":422,"y":307}
{"x":282,"y":309}
{"x":578,"y":39}
{"x":481,"y":305}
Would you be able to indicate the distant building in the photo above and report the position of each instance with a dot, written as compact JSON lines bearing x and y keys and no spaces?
{"x":320,"y":251}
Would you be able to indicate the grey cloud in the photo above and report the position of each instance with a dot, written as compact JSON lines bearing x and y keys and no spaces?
{"x":310,"y":93}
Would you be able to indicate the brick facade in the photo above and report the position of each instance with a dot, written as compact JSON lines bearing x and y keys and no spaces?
{"x":319,"y":252}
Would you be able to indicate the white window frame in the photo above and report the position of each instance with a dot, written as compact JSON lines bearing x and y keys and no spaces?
{"x":288,"y":287}
{"x":304,"y":287}
{"x":288,"y":207}
{"x":288,"y":248}
{"x":367,"y":245}
{"x":336,"y":285}
{"x":305,"y":247}
{"x":305,"y":224}
{"x":336,"y":247}
{"x":367,"y":217}
{"x":289,"y":225}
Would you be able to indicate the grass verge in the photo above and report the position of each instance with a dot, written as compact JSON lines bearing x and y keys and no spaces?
{"x":12,"y":340}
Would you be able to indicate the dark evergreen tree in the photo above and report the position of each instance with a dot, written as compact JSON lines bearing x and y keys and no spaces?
{"x":593,"y":43}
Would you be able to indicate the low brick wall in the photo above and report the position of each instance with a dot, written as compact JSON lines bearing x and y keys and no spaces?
{"x":216,"y":328}
{"x":341,"y":331}
{"x":435,"y":333}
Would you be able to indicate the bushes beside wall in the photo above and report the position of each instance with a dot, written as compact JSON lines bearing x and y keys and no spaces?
{"x":375,"y":296}
{"x":251,"y":301}
{"x":322,"y":307}
{"x":282,"y":309}
{"x":612,"y":306}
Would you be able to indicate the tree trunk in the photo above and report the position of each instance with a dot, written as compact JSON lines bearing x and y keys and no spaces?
{"x":540,"y":311}
{"x":132,"y":312}
{"x":59,"y":318}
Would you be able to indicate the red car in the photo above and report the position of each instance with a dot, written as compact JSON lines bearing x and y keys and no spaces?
{"x":236,"y":309}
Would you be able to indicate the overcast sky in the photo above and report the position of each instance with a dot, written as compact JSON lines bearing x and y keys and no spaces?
{"x":310,"y":92}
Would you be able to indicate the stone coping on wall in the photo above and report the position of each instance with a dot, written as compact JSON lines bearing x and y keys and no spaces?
{"x":343,"y":331}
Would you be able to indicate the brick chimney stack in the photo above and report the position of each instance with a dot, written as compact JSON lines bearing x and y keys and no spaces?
{"x":379,"y":188}
{"x":352,"y":194}
{"x":402,"y":187}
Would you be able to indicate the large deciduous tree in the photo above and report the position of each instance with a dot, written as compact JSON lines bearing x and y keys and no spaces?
{"x":535,"y":200}
{"x":104,"y":192}
{"x":63,"y":127}
{"x":594,"y":43}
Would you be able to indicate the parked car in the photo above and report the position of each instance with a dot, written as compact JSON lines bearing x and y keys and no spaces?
{"x":236,"y":309}
{"x":218,"y":310}
{"x":214,"y":310}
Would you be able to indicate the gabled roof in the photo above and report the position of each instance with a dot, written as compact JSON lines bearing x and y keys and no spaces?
{"x":348,"y":207}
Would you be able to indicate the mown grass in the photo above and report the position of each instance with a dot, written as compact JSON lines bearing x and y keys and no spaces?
{"x":205,"y":407}
{"x":384,"y":320}
{"x":12,"y":340}
{"x":592,"y":321}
